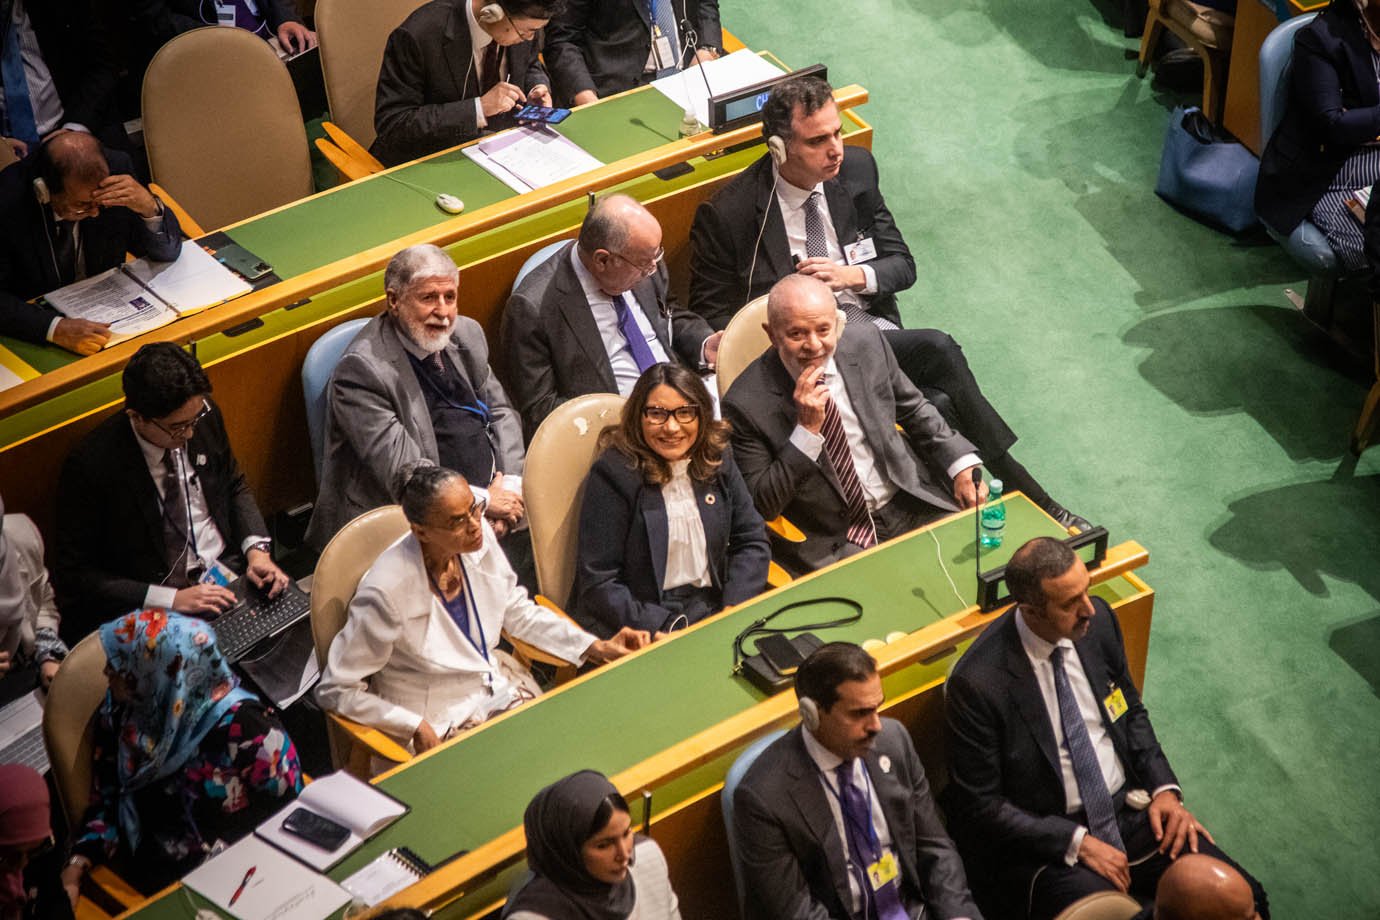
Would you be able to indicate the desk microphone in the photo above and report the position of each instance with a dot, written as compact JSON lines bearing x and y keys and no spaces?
{"x":977,"y":528}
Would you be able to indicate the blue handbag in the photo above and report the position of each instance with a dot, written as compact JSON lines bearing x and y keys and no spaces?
{"x":1206,"y":175}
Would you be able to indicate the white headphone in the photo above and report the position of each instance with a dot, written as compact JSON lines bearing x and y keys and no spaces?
{"x":491,"y":14}
{"x":776,"y":146}
{"x":41,"y":191}
{"x":809,"y":713}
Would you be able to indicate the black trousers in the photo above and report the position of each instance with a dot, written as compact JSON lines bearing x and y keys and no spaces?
{"x":1057,"y":885}
{"x":934,"y":362}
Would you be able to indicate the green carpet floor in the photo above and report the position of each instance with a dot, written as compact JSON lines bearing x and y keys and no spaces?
{"x":1162,"y":385}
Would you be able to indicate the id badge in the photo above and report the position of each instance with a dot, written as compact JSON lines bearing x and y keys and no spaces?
{"x":661,"y":50}
{"x":883,"y":871}
{"x":225,"y":13}
{"x":862,"y":251}
{"x":1115,"y":704}
{"x":217,"y":574}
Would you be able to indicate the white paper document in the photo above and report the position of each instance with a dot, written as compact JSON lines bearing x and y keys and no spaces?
{"x":530,"y":157}
{"x":194,"y":281}
{"x":346,"y":801}
{"x":687,"y":89}
{"x":9,"y":378}
{"x":253,"y":881}
{"x":388,"y":874}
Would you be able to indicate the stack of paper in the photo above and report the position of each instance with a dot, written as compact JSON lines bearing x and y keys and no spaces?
{"x":253,"y":881}
{"x":690,"y":89}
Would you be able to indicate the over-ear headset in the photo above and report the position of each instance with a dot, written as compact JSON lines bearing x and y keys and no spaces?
{"x":41,"y":191}
{"x":491,"y":14}
{"x":809,"y":713}
{"x":776,"y":146}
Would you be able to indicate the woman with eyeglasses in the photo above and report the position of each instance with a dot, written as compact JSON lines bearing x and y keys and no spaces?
{"x":186,"y":760}
{"x":668,"y":532}
{"x":418,"y":656}
{"x":28,"y":874}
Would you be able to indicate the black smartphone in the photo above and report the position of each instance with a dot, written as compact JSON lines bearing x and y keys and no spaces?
{"x":778,"y":652}
{"x":543,"y":114}
{"x":317,"y":829}
{"x":236,"y":257}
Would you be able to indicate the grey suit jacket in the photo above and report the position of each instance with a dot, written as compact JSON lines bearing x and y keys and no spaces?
{"x":377,"y":422}
{"x":783,"y":480}
{"x":428,"y":84}
{"x":793,"y":857}
{"x":551,"y":344}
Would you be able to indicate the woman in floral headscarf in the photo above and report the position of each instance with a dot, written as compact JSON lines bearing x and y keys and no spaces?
{"x":185,"y":757}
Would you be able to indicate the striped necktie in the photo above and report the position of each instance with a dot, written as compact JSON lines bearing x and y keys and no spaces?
{"x":860,"y":528}
{"x":1092,"y":787}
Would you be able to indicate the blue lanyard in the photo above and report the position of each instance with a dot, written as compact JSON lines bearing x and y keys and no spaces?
{"x":480,"y":409}
{"x":471,"y":611}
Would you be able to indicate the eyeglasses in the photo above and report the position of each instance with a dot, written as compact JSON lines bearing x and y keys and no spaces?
{"x":475,"y":513}
{"x":523,"y":34}
{"x":658,"y":415}
{"x":181,"y":429}
{"x":644,"y":268}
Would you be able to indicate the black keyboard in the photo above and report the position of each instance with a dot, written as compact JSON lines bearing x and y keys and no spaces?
{"x":256,"y":617}
{"x":28,"y":750}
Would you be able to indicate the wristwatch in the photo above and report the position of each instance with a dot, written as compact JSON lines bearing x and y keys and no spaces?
{"x":263,"y":546}
{"x":78,"y":860}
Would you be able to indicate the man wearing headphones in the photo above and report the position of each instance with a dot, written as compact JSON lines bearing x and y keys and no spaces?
{"x":152,"y":508}
{"x":69,"y":211}
{"x":600,"y":47}
{"x":835,"y":819}
{"x":454,"y":70}
{"x":813,"y":206}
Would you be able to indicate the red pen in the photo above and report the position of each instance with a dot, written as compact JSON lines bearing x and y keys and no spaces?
{"x":244,"y":883}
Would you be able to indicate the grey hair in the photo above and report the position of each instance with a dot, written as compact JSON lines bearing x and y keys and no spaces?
{"x":421,"y":261}
{"x":420,"y":488}
{"x":606,"y":225}
{"x":788,"y":292}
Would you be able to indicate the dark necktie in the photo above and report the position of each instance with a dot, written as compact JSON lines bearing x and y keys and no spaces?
{"x":177,"y":549}
{"x":865,"y":849}
{"x":437,"y":364}
{"x":490,"y":66}
{"x":65,"y":252}
{"x":1092,"y":786}
{"x":632,"y":333}
{"x":860,"y":528}
{"x":19,"y":110}
{"x":817,"y":247}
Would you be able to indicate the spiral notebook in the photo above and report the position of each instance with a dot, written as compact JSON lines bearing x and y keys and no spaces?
{"x":390,"y":873}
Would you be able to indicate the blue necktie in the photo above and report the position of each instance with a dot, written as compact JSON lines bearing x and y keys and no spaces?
{"x":633,"y":334}
{"x":19,"y":112}
{"x":882,"y":903}
{"x":1092,"y":787}
{"x":664,"y":18}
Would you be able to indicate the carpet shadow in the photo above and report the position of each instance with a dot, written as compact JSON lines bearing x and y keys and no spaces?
{"x":1267,"y":362}
{"x":1309,"y":529}
{"x":1358,"y":644}
{"x":1059,"y":37}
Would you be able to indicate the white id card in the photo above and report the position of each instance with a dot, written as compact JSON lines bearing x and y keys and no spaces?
{"x":225,"y":14}
{"x":661,"y":49}
{"x":862,"y":251}
{"x":217,"y":574}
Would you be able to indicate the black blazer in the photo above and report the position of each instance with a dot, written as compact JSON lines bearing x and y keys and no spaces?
{"x":1333,"y":109}
{"x":164,"y":19}
{"x":28,"y":267}
{"x":110,"y":523}
{"x":1005,"y":797}
{"x":783,"y":480}
{"x":603,"y":44}
{"x":724,"y":237}
{"x":621,"y":560}
{"x":428,"y":83}
{"x":552,"y":347}
{"x":791,"y":851}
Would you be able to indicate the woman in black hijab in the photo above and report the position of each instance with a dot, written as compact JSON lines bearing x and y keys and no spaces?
{"x":586,"y":862}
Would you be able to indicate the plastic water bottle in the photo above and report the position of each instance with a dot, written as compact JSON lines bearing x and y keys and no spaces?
{"x":993,"y":516}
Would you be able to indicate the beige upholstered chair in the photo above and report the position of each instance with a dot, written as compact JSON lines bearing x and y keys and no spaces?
{"x":1105,"y":905}
{"x":68,"y":723}
{"x":1205,"y":30}
{"x":553,"y":485}
{"x":223,"y":127}
{"x":353,"y":34}
{"x":7,"y":156}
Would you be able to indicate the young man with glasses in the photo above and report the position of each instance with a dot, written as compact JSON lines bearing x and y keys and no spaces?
{"x":597,"y":314}
{"x":153,"y":510}
{"x":456,"y":69}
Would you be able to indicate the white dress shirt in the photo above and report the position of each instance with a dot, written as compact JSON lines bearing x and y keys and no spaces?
{"x":792,"y":201}
{"x":209,"y":542}
{"x":687,"y":559}
{"x":625,"y":371}
{"x":479,"y":42}
{"x":877,"y":489}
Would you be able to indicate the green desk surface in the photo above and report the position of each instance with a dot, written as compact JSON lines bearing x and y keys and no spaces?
{"x":477,"y":789}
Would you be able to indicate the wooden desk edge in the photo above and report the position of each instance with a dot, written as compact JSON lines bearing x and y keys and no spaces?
{"x":450,"y":881}
{"x":251,"y":306}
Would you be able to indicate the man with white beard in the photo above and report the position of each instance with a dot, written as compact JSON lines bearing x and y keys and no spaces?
{"x":415,"y":387}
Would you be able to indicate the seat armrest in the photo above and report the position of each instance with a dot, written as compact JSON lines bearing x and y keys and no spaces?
{"x":373,"y":740}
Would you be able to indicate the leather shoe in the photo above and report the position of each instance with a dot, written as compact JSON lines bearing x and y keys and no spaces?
{"x":1067,"y":519}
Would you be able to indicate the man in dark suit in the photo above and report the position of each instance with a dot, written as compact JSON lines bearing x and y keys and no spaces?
{"x":453,"y":70}
{"x":1058,"y":787}
{"x":814,"y":206}
{"x":163,"y":20}
{"x":835,"y":819}
{"x":68,"y":211}
{"x":596,"y":48}
{"x":815,"y":433}
{"x":595,"y":315}
{"x":415,"y":387}
{"x":152,"y":502}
